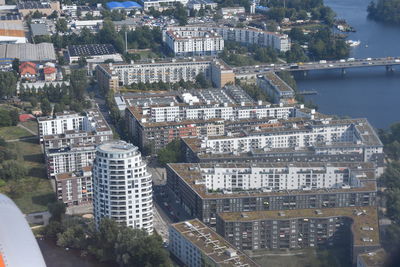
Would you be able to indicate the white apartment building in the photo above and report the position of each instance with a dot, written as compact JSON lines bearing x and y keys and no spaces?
{"x":249,"y":35}
{"x":194,"y":43}
{"x":327,"y":137}
{"x":165,"y":71}
{"x":122,"y":186}
{"x":69,"y":159}
{"x":181,"y":112}
{"x":268,"y":177}
{"x":156,"y":4}
{"x":60,"y":123}
{"x":197,"y":245}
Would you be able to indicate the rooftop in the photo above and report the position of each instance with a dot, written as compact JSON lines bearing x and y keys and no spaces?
{"x":191,"y":174}
{"x":85,"y":171}
{"x":211,"y":244}
{"x":281,"y":85}
{"x":365,"y":226}
{"x":28,"y":52}
{"x":39,"y":29}
{"x":116,"y":146}
{"x":91,"y":50}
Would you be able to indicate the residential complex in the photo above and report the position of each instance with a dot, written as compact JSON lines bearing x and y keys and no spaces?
{"x":307,"y":140}
{"x":248,"y":36}
{"x":205,"y":190}
{"x":196,"y":245}
{"x":112,"y":76}
{"x":276,"y":88}
{"x":193,"y":43}
{"x":161,"y":4}
{"x":75,"y":188}
{"x":301,"y":228}
{"x":70,"y":128}
{"x":69,"y":159}
{"x":197,"y":113}
{"x":122,"y":186}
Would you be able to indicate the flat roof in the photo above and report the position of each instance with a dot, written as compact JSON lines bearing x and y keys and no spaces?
{"x":39,"y":29}
{"x":91,"y":50}
{"x":116,"y":146}
{"x":364,"y":218}
{"x":28,"y":52}
{"x":212,"y":244}
{"x":190,"y":174}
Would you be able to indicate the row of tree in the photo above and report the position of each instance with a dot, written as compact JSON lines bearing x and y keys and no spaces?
{"x":110,"y":243}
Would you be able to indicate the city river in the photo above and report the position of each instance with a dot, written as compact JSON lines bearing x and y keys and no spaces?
{"x":367,"y":92}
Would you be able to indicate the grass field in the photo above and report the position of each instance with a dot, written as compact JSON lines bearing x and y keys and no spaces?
{"x":33,"y":192}
{"x":31,"y":125}
{"x":13,"y":132}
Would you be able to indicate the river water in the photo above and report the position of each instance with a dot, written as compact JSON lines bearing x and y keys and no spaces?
{"x":371,"y":93}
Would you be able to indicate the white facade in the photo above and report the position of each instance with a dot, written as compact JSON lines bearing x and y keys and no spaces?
{"x":68,"y":159}
{"x":290,"y":177}
{"x":60,"y":123}
{"x":169,"y":72}
{"x":206,"y":112}
{"x":188,"y":43}
{"x":161,"y":3}
{"x":347,"y":136}
{"x":122,"y":186}
{"x":249,"y":35}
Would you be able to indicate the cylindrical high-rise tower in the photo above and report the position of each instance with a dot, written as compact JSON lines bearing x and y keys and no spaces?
{"x":122,"y":186}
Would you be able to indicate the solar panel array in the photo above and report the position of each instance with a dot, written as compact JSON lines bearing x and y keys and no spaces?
{"x":91,"y":50}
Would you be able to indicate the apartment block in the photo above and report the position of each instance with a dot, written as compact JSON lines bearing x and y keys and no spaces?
{"x":302,"y":228}
{"x":247,"y":35}
{"x":73,"y":129}
{"x":197,"y":113}
{"x":193,"y":43}
{"x":75,"y":188}
{"x":307,"y":140}
{"x":69,"y":159}
{"x":196,"y":245}
{"x":276,"y":88}
{"x":122,"y":186}
{"x":112,"y":76}
{"x":204,"y":190}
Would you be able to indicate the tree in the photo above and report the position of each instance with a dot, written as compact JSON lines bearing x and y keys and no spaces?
{"x":12,"y":170}
{"x":5,"y":119}
{"x":53,"y":15}
{"x":14,"y":116}
{"x":82,"y":62}
{"x":46,"y":107}
{"x":33,"y":100}
{"x":8,"y":84}
{"x":15,"y":65}
{"x":171,"y":153}
{"x":78,"y":83}
{"x":57,"y":210}
{"x":61,"y":25}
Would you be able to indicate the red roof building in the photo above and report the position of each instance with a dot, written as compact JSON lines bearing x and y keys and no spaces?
{"x":26,"y":117}
{"x":27,"y":70}
{"x":49,"y":73}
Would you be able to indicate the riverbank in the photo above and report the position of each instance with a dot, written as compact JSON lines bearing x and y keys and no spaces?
{"x":371,"y":93}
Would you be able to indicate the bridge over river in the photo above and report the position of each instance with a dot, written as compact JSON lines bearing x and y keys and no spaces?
{"x":387,"y":62}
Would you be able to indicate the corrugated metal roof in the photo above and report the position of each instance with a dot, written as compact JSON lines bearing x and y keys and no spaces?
{"x":28,"y":52}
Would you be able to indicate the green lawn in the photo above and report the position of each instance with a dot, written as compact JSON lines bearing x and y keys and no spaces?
{"x":33,"y":193}
{"x":31,"y":125}
{"x":13,"y":132}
